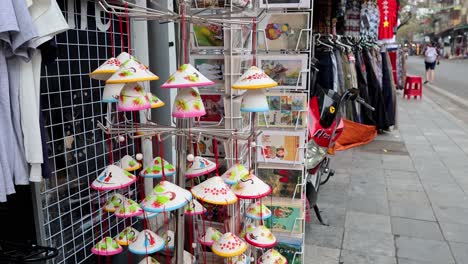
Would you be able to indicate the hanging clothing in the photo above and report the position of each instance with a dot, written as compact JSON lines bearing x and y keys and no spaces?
{"x":361,"y":71}
{"x":387,"y":87}
{"x":370,"y":18}
{"x":352,"y":18}
{"x":388,"y":18}
{"x":325,"y":67}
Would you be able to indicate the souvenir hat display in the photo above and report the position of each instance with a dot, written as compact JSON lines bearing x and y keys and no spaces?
{"x":229,"y":245}
{"x":127,"y":236}
{"x":155,"y":169}
{"x":251,"y":187}
{"x":111,"y":92}
{"x":114,"y":202}
{"x":149,"y":260}
{"x":132,"y":71}
{"x":242,"y":259}
{"x":168,"y":237}
{"x":254,"y":78}
{"x":154,"y":100}
{"x":133,"y":98}
{"x":106,"y":247}
{"x":112,"y":178}
{"x":128,"y":163}
{"x":109,"y":67}
{"x":257,"y":211}
{"x":194,"y":208}
{"x":146,"y":215}
{"x":254,"y":101}
{"x":188,"y":103}
{"x":234,"y":174}
{"x":128,"y":208}
{"x":261,"y":237}
{"x":210,"y":235}
{"x":147,"y":242}
{"x":272,"y":256}
{"x":214,"y":191}
{"x":198,"y":166}
{"x":189,"y":258}
{"x":166,"y":197}
{"x":187,"y":76}
{"x":249,"y":228}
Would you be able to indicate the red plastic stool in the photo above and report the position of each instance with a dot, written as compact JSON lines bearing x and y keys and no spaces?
{"x":413,"y":86}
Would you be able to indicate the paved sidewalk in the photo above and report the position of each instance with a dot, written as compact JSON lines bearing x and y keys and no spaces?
{"x":401,"y":199}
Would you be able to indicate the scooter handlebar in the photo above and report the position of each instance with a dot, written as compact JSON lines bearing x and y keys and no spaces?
{"x":366,"y":105}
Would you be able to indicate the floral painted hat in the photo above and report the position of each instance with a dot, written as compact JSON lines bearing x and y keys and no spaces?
{"x":133,"y":98}
{"x":272,"y":256}
{"x":242,"y":259}
{"x":261,"y":237}
{"x":128,"y":208}
{"x":106,"y":247}
{"x":111,"y":92}
{"x":229,"y":245}
{"x":247,"y":229}
{"x":154,"y":100}
{"x":187,"y":76}
{"x":128,"y":163}
{"x":127,"y":236}
{"x":254,"y":78}
{"x":113,"y":178}
{"x":214,"y":191}
{"x":146,"y":215}
{"x":109,"y":67}
{"x":234,"y":174}
{"x":155,"y":169}
{"x":166,"y":197}
{"x":147,"y":242}
{"x":188,"y":103}
{"x":132,"y":71}
{"x":198,"y":167}
{"x":210,"y":236}
{"x":251,"y":187}
{"x":254,"y":101}
{"x":258,"y":211}
{"x":149,"y":260}
{"x":194,"y":208}
{"x":114,"y":202}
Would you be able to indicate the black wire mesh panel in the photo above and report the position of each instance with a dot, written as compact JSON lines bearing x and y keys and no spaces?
{"x":77,"y":149}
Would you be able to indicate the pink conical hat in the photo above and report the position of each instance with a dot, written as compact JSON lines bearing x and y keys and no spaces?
{"x":234,"y":174}
{"x":229,"y":245}
{"x":155,"y":169}
{"x":272,"y":257}
{"x":149,"y":260}
{"x":128,"y":163}
{"x":214,"y":191}
{"x":133,"y":98}
{"x":114,"y":202}
{"x":188,"y":103}
{"x":210,"y":235}
{"x":109,"y":67}
{"x":128,"y":208}
{"x":254,"y":78}
{"x":112,"y":178}
{"x":166,"y":197}
{"x":147,"y":242}
{"x":198,"y":167}
{"x":251,"y":187}
{"x":187,"y":76}
{"x":261,"y":237}
{"x":154,"y":100}
{"x":127,"y":236}
{"x":106,"y":247}
{"x":257,"y":211}
{"x":194,"y":208}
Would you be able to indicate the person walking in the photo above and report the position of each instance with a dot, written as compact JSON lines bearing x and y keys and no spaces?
{"x":431,"y":58}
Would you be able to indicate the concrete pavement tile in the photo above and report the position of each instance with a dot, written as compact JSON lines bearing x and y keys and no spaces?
{"x":455,"y":215}
{"x":448,"y":199}
{"x":364,"y":221}
{"x":423,"y":250}
{"x":416,"y":228}
{"x":407,"y":196}
{"x":401,"y":175}
{"x":333,"y":215}
{"x":371,"y":205}
{"x":460,"y":252}
{"x":398,"y":162}
{"x":367,"y":172}
{"x":369,"y":242}
{"x":321,"y":255}
{"x":455,"y":232}
{"x":404,"y":184}
{"x":412,"y":261}
{"x":367,"y":163}
{"x":337,"y":199}
{"x":411,"y":210}
{"x":324,"y":236}
{"x":367,"y":188}
{"x":353,"y":257}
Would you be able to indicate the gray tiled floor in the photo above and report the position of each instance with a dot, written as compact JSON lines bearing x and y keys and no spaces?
{"x":400,"y":199}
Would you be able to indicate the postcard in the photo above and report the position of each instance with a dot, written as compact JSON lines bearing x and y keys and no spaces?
{"x":289,"y":71}
{"x":280,"y":146}
{"x":284,"y":31}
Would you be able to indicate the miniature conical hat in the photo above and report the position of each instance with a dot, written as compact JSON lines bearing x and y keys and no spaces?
{"x":261,"y":237}
{"x":168,"y":237}
{"x":242,"y":259}
{"x":111,"y":92}
{"x":112,"y":178}
{"x":210,"y":236}
{"x":214,"y":191}
{"x":106,"y":247}
{"x":189,"y":258}
{"x":272,"y":256}
{"x":149,"y":260}
{"x":128,"y":163}
{"x":132,"y":71}
{"x":188,"y":103}
{"x":254,"y":101}
{"x":146,"y":215}
{"x":147,"y":242}
{"x":154,"y":100}
{"x":133,"y":98}
{"x":127,"y":236}
{"x":257,"y":211}
{"x":128,"y":208}
{"x":198,"y":167}
{"x":251,"y":187}
{"x":234,"y":174}
{"x":254,"y":78}
{"x":166,"y":197}
{"x":110,"y":67}
{"x":249,"y":228}
{"x":194,"y":208}
{"x":114,"y":202}
{"x":187,"y":76}
{"x":229,"y":245}
{"x":155,"y":169}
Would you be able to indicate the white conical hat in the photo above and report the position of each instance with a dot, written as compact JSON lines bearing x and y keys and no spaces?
{"x":257,"y":211}
{"x":248,"y":228}
{"x":149,"y":260}
{"x":147,"y":242}
{"x":127,"y":236}
{"x":133,"y":98}
{"x":128,"y":208}
{"x":110,"y":67}
{"x":154,"y":100}
{"x":112,"y":178}
{"x":188,"y":103}
{"x":254,"y":78}
{"x":214,"y":191}
{"x":229,"y":245}
{"x":210,"y":235}
{"x":251,"y":187}
{"x":194,"y":208}
{"x":147,"y":215}
{"x":187,"y":76}
{"x":234,"y":174}
{"x":254,"y":101}
{"x":261,"y":237}
{"x":168,"y":237}
{"x":128,"y":163}
{"x":272,"y":256}
{"x":155,"y":169}
{"x":106,"y":247}
{"x":111,"y":92}
{"x":242,"y":259}
{"x":132,"y":71}
{"x":114,"y":202}
{"x":189,"y":258}
{"x":166,"y":197}
{"x":199,"y":166}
